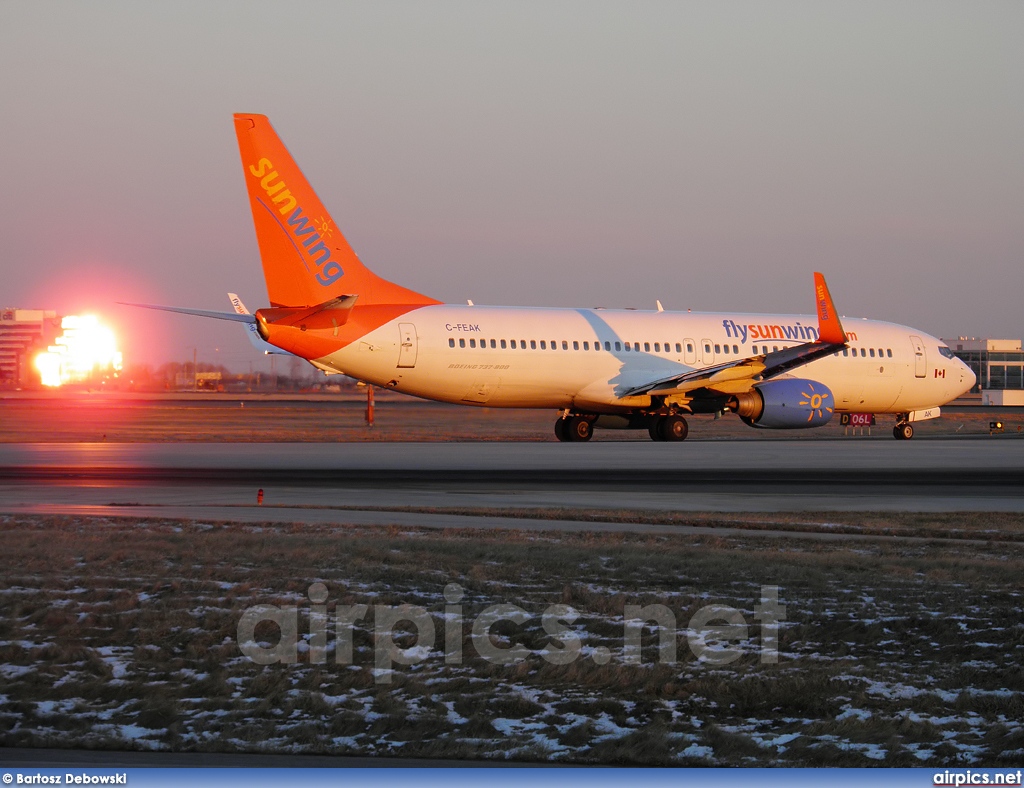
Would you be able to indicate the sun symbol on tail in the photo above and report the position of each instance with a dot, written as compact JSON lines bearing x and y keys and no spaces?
{"x":816,"y":401}
{"x":323,"y":226}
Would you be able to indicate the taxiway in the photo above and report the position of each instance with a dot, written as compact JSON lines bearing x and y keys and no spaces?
{"x":349,"y":480}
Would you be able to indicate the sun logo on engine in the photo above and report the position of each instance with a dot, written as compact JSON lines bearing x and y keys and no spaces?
{"x":816,"y":401}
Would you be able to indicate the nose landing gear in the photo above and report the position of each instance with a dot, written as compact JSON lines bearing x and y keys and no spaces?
{"x":903,"y":431}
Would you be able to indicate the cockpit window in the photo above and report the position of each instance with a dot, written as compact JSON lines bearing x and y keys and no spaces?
{"x":945,"y":352}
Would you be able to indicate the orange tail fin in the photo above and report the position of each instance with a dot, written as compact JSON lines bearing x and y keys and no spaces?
{"x":306,"y":259}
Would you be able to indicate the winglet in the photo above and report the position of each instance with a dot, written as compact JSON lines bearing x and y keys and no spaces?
{"x":830,"y":330}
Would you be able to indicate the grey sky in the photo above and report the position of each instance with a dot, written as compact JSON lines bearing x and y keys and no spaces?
{"x":711,"y":155}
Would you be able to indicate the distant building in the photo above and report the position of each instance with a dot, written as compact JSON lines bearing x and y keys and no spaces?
{"x":23,"y":334}
{"x":199,"y":380}
{"x":999,"y":365}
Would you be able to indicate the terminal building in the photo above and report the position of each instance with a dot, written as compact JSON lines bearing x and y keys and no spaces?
{"x":23,"y":334}
{"x":999,"y":366}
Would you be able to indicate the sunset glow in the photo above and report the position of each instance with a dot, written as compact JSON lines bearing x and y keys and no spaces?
{"x":85,"y":349}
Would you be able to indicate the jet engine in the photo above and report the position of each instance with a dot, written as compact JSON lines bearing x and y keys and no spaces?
{"x":786,"y":403}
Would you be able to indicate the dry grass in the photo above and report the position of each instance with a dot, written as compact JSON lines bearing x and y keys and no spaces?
{"x":122,"y":633}
{"x":120,"y":419}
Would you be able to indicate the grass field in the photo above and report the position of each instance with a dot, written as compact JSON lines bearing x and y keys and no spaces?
{"x":119,"y":634}
{"x":121,"y":419}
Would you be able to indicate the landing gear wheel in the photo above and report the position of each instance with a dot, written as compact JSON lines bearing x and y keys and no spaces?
{"x":654,"y":430}
{"x":560,"y":430}
{"x":903,"y":432}
{"x":672,"y":428}
{"x":578,"y":429}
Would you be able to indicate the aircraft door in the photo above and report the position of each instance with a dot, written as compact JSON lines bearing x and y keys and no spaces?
{"x":707,"y":352}
{"x":689,"y":351}
{"x":920,"y":361}
{"x":407,"y":349}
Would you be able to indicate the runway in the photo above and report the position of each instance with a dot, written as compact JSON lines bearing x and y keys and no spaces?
{"x":219,"y":481}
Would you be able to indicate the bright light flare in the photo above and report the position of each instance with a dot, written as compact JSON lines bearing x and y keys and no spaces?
{"x":85,"y":349}
{"x":48,"y":365}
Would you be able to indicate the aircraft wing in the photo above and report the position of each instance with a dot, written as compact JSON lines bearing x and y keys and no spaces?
{"x":737,"y":376}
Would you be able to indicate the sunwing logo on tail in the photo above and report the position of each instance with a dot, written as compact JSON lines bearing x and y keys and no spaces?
{"x":303,"y":231}
{"x":822,"y":302}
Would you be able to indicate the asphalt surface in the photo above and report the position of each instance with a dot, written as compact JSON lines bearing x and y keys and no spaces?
{"x":219,"y":481}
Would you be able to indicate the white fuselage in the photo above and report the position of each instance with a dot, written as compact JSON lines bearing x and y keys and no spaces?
{"x":585,"y":359}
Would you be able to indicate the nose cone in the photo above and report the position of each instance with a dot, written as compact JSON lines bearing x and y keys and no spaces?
{"x":967,"y":378}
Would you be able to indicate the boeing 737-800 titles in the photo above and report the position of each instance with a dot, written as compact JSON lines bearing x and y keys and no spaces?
{"x":597,"y":367}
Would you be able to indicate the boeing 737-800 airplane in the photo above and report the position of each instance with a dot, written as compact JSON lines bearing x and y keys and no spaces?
{"x":597,"y":367}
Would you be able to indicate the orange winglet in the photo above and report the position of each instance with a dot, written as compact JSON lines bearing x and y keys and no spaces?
{"x":306,"y":259}
{"x":829,"y":328}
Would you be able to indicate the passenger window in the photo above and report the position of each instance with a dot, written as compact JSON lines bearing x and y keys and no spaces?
{"x":628,"y":347}
{"x":607,"y":345}
{"x":775,"y":348}
{"x":846,"y":351}
{"x":451,"y":342}
{"x":647,"y":347}
{"x":493,"y":344}
{"x":522,"y":344}
{"x":503,"y":344}
{"x":872,"y":352}
{"x":718,"y":348}
{"x":513,"y":344}
{"x":586,"y":346}
{"x":565,"y":345}
{"x":618,"y":346}
{"x":575,"y":345}
{"x":657,"y":347}
{"x":707,"y":348}
{"x":863,"y":353}
{"x":462,"y":343}
{"x":888,"y":352}
{"x":636,"y":346}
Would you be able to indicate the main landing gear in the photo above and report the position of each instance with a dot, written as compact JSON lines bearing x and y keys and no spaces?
{"x":579,"y":427}
{"x":669,"y":428}
{"x":574,"y":429}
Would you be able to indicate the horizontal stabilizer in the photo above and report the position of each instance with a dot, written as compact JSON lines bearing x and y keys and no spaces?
{"x":339,"y":307}
{"x":233,"y":316}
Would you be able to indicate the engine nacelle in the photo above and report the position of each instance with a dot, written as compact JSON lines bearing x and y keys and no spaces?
{"x":785,"y":404}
